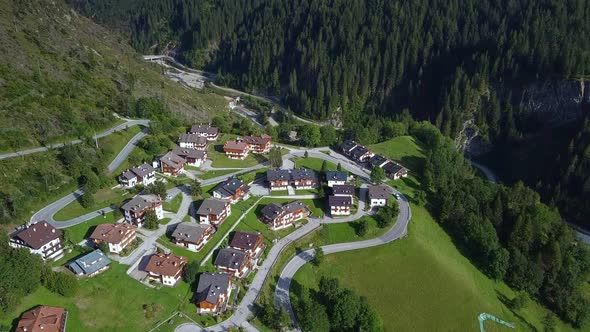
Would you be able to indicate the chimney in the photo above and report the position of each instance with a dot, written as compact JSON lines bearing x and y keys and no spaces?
{"x":53,"y":231}
{"x":34,"y":229}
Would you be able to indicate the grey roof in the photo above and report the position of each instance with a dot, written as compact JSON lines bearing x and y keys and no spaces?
{"x":359,"y":151}
{"x":192,"y":138}
{"x":190,"y":232}
{"x":229,"y":187}
{"x":230,"y":258}
{"x":143,"y":170}
{"x":392,"y":167}
{"x":128,"y":174}
{"x":339,"y":201}
{"x":205,"y":129}
{"x":189,"y":153}
{"x":377,"y":160}
{"x":336,"y":176}
{"x":303,"y":174}
{"x":140,"y":202}
{"x":172,"y":159}
{"x":212,"y":206}
{"x":211,"y":286}
{"x":278,"y":174}
{"x":90,"y":263}
{"x":294,"y":206}
{"x":245,"y":240}
{"x":343,"y":189}
{"x":379,"y":192}
{"x":348,"y":145}
{"x":273,"y":210}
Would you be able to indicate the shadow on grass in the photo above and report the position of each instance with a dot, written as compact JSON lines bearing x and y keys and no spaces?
{"x":506,"y":301}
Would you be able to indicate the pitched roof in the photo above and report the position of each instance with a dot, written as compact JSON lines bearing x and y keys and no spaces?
{"x":359,"y":151}
{"x":211,"y":286}
{"x":230,"y":258}
{"x":278,"y":174}
{"x":128,"y":174}
{"x":245,"y":240}
{"x":173,"y":160}
{"x":303,"y":174}
{"x":339,"y":201}
{"x":192,"y":138}
{"x":379,"y":192}
{"x":166,"y":264}
{"x":37,"y":235}
{"x":274,"y":210}
{"x":140,"y":202}
{"x":257,"y":140}
{"x":112,"y":233}
{"x":212,"y":206}
{"x":42,"y":319}
{"x":230,"y":186}
{"x":143,"y":170}
{"x":343,"y":189}
{"x":377,"y":160}
{"x":90,"y":263}
{"x":189,"y":153}
{"x":204,"y":129}
{"x":336,"y":176}
{"x":235,"y":145}
{"x":190,"y":232}
{"x":392,"y":167}
{"x":348,"y":145}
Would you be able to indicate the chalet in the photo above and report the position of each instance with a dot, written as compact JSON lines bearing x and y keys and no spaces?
{"x":165,"y":268}
{"x":39,"y":238}
{"x":278,"y":179}
{"x":233,"y":261}
{"x":172,"y":164}
{"x":303,"y":178}
{"x":213,"y":291}
{"x":336,"y":178}
{"x":232,"y":189}
{"x":192,"y":236}
{"x":193,"y":141}
{"x":339,"y":205}
{"x":117,"y":236}
{"x":143,"y":174}
{"x":191,"y":156}
{"x":281,"y":216}
{"x":377,"y":161}
{"x":210,"y":133}
{"x":343,"y":190}
{"x":43,"y":319}
{"x":90,"y":264}
{"x":347,"y":146}
{"x":236,"y":149}
{"x":395,"y":171}
{"x":250,"y":243}
{"x":213,"y":211}
{"x":379,"y":195}
{"x":361,"y":154}
{"x":135,"y":209}
{"x":258,"y":144}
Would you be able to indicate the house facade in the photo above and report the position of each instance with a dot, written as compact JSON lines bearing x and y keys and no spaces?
{"x":233,"y":261}
{"x":232,"y":189}
{"x":165,"y":268}
{"x":339,"y":205}
{"x":395,"y":171}
{"x":143,"y":174}
{"x":117,"y":236}
{"x":192,"y":157}
{"x":278,"y":179}
{"x":282,"y":216}
{"x":213,"y":292}
{"x":193,"y":141}
{"x":249,"y":242}
{"x":40,"y":239}
{"x":214,"y":211}
{"x":378,"y":196}
{"x":90,"y":264}
{"x":258,"y":144}
{"x":43,"y":319}
{"x":236,"y":149}
{"x":172,"y":164}
{"x":192,"y":236}
{"x":303,"y":178}
{"x":136,"y":208}
{"x":210,"y":133}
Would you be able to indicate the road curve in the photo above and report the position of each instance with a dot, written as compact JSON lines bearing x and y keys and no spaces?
{"x":120,"y":158}
{"x":114,"y":129}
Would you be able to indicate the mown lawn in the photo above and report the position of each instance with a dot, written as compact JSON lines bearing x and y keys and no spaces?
{"x":313,"y":163}
{"x":174,"y":204}
{"x":215,"y":173}
{"x":404,"y":149}
{"x":81,"y":231}
{"x":103,"y":198}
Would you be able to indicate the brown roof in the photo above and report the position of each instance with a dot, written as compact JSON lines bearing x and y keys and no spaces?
{"x":235,"y":145}
{"x":257,"y":140}
{"x":245,"y":240}
{"x":37,"y":235}
{"x":42,"y":319}
{"x":112,"y":233}
{"x":166,"y":264}
{"x":173,"y":160}
{"x":140,"y":202}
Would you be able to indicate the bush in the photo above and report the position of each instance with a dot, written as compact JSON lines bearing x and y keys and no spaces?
{"x":62,"y":283}
{"x":361,"y":227}
{"x":87,"y":199}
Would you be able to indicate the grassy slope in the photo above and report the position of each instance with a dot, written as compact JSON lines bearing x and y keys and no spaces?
{"x":220,"y":160}
{"x":313,"y":163}
{"x":422,"y":283}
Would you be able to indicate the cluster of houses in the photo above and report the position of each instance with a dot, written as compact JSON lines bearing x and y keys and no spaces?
{"x":241,"y":147}
{"x":363,"y":155}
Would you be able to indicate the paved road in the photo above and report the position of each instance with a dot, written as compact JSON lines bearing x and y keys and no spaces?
{"x":120,"y":127}
{"x":124,"y":153}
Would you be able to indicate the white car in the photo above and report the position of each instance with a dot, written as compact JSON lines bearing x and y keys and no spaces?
{"x":397,"y":195}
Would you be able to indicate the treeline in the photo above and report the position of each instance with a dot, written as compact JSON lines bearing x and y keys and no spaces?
{"x":433,"y":57}
{"x":507,"y":231}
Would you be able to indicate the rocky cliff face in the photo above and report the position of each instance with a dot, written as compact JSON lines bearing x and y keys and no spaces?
{"x":554,"y":102}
